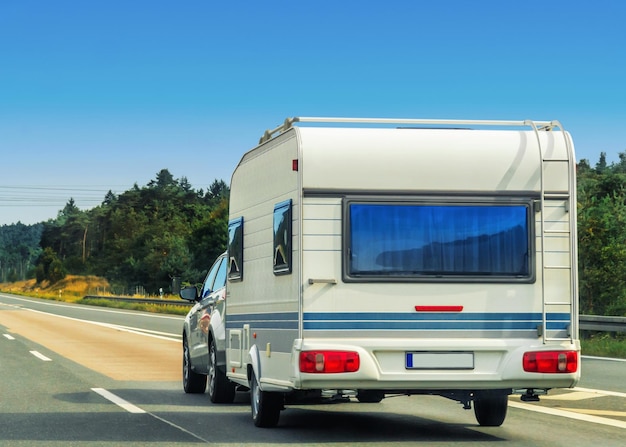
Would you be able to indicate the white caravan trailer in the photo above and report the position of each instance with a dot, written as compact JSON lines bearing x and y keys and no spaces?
{"x":378,"y":257}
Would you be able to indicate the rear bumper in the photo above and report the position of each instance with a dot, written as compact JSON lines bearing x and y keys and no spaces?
{"x":497,"y":364}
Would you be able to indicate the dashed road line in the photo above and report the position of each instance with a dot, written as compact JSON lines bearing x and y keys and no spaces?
{"x":8,"y":336}
{"x":118,"y":401}
{"x":40,"y":356}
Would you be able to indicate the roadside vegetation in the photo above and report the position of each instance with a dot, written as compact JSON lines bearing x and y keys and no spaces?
{"x":604,"y":344}
{"x":146,"y":240}
{"x":74,"y":289}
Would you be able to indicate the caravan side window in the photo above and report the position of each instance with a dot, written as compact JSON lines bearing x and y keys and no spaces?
{"x":282,"y":238}
{"x":235,"y":249}
{"x":427,"y":240}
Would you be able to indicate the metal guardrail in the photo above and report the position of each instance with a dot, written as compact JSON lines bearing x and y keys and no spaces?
{"x":586,"y":322}
{"x":601,"y":323}
{"x":180,"y":302}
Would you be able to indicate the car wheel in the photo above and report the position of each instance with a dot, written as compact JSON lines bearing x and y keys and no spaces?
{"x":370,"y":396}
{"x":192,"y":382}
{"x":490,"y":411}
{"x":221,"y":390}
{"x":265,"y":406}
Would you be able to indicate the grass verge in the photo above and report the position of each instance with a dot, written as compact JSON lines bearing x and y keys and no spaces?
{"x":604,"y":344}
{"x":155,"y":308}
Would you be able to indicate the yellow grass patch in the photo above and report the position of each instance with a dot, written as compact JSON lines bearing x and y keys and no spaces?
{"x":71,"y":288}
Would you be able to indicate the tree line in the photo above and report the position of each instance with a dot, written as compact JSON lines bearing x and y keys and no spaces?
{"x":151,"y":235}
{"x":146,"y":237}
{"x":602,"y":236}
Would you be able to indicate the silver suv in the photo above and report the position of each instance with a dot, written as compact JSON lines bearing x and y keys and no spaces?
{"x":204,"y":337}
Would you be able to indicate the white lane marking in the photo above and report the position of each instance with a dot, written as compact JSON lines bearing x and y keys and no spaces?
{"x":96,"y":309}
{"x":572,"y":396}
{"x":146,"y":332}
{"x":569,"y":414}
{"x":136,"y":410}
{"x":619,"y":414}
{"x":8,"y":337}
{"x":118,"y":401}
{"x":591,"y":357}
{"x":40,"y":356}
{"x":600,"y":392}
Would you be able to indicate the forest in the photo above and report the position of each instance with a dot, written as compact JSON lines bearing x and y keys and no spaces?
{"x":140,"y":241}
{"x":149,"y":237}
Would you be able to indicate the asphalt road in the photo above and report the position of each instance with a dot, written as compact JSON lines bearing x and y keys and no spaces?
{"x":83,"y":376}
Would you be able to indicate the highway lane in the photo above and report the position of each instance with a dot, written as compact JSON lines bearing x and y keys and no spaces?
{"x":60,"y":401}
{"x":47,"y":401}
{"x":159,"y":324}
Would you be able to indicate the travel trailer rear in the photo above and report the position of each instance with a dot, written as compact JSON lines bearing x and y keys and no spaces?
{"x":378,"y":257}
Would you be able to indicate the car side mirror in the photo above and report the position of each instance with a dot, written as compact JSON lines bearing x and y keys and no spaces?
{"x":189,"y":293}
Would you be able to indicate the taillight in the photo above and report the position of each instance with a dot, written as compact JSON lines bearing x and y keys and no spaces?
{"x":551,"y":361}
{"x":329,"y":361}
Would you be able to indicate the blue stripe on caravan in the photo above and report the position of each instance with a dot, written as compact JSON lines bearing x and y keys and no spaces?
{"x":558,"y":321}
{"x":431,"y":321}
{"x":274,"y":320}
{"x":399,"y":321}
{"x":428,"y":316}
{"x":420,"y":326}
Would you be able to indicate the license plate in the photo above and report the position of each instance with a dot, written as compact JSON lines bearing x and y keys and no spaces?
{"x":439,"y":360}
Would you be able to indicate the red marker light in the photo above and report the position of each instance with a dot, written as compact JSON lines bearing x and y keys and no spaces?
{"x":439,"y":308}
{"x":550,"y":362}
{"x":326,"y":362}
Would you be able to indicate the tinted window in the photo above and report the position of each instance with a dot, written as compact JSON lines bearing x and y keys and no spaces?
{"x":210,"y":280}
{"x":220,"y":277}
{"x":235,"y":249}
{"x":427,"y":241}
{"x":282,"y":238}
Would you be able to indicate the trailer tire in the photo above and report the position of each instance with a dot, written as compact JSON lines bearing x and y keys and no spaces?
{"x":221,"y":390}
{"x":193,"y":383}
{"x":265,"y":406}
{"x":490,"y":411}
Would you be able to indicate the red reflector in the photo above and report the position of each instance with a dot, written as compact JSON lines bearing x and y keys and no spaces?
{"x":439,"y":308}
{"x":294,"y":165}
{"x":329,"y":361}
{"x":550,"y":362}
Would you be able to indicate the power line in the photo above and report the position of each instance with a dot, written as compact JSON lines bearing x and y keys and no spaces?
{"x":57,"y":196}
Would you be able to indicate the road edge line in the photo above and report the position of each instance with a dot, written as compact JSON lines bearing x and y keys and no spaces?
{"x":570,"y":415}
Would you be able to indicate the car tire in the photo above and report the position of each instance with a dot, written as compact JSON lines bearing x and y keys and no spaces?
{"x":490,"y":411}
{"x":193,"y":383}
{"x":265,"y":406}
{"x":221,"y":390}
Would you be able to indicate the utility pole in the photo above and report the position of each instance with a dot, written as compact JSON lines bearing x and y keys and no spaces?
{"x":85,"y":243}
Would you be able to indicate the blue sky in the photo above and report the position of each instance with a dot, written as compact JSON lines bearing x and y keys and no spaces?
{"x":98,"y":95}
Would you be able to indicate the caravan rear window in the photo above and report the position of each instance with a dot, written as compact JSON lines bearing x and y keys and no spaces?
{"x":424,"y":241}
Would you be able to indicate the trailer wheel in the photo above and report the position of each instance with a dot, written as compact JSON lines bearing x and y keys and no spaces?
{"x":192,"y":382}
{"x":490,"y":411}
{"x":370,"y":396}
{"x":221,"y":390}
{"x":265,"y":406}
